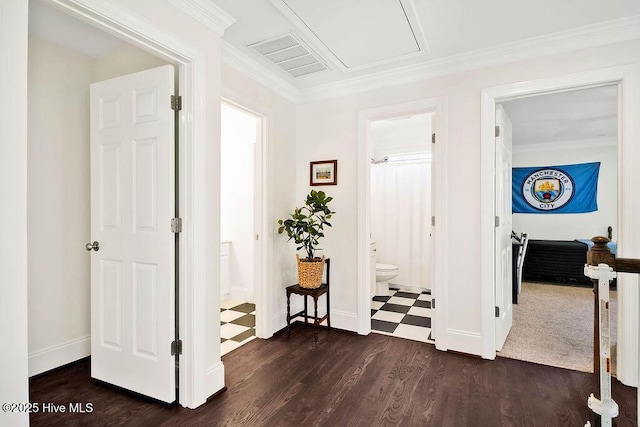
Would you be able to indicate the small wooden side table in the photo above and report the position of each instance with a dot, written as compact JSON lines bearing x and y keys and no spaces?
{"x":315,"y":293}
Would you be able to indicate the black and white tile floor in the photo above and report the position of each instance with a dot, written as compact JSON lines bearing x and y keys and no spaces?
{"x":237,"y":324}
{"x":404,"y":315}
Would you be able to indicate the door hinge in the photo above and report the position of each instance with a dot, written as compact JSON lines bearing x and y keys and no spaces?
{"x":176,"y":103}
{"x":176,"y":347}
{"x":433,"y":138}
{"x":497,"y":311}
{"x":497,"y":221}
{"x":433,"y":303}
{"x":176,"y":225}
{"x":497,"y":131}
{"x":433,"y":221}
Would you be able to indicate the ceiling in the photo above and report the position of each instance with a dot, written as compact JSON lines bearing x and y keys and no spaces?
{"x":59,"y":28}
{"x":361,"y":37}
{"x":578,"y":115}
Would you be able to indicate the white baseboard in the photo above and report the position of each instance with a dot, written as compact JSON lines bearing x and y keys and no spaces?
{"x":214,"y":379}
{"x":344,"y":320}
{"x":464,"y":341}
{"x":52,"y":357}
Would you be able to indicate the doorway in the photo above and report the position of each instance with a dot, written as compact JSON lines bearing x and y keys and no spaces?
{"x":75,"y":348}
{"x":437,"y":223}
{"x":240,"y":224}
{"x":626,"y":79}
{"x":400,"y":210}
{"x":575,"y":132}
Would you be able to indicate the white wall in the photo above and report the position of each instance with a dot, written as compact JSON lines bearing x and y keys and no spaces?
{"x":125,"y":59}
{"x":58,"y":206}
{"x":238,"y":139}
{"x":327,"y":129}
{"x":279,"y":178}
{"x":573,"y":226}
{"x":14,"y":385}
{"x":58,"y":195}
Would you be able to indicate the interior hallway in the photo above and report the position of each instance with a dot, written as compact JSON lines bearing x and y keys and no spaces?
{"x":346,"y":379}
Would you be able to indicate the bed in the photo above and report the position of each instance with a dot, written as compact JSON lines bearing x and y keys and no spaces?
{"x":557,"y":261}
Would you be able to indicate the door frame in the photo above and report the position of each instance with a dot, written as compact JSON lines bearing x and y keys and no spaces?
{"x":628,"y":80}
{"x":190,"y":64}
{"x":437,"y":106}
{"x":260,"y":185}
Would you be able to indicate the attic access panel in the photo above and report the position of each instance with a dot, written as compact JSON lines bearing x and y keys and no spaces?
{"x":358,"y":33}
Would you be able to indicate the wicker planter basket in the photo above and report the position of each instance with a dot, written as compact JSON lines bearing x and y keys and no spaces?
{"x":310,"y":272}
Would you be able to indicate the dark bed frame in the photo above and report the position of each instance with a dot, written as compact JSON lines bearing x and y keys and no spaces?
{"x":556,"y":261}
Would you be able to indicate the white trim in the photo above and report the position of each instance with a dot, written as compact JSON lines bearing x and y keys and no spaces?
{"x":214,"y":379}
{"x":628,"y":78}
{"x":207,"y":13}
{"x":248,"y":66}
{"x":344,"y":320}
{"x":464,"y":341}
{"x":580,"y":144}
{"x":112,"y":18}
{"x":261,"y":192}
{"x":579,"y":38}
{"x":440,"y":245}
{"x":13,"y":192}
{"x":57,"y":355}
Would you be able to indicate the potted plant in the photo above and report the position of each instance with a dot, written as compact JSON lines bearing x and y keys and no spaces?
{"x":306,"y":226}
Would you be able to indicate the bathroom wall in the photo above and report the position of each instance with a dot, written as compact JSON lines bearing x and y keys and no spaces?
{"x":239,"y":132}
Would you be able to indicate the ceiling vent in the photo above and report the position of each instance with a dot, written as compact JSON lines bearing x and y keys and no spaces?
{"x":289,"y":53}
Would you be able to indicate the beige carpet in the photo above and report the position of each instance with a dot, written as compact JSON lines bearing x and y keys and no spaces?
{"x":553,"y":325}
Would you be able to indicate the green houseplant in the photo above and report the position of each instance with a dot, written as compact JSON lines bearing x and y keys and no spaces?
{"x":305,"y":226}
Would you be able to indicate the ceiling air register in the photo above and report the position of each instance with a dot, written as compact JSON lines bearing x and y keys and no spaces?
{"x":290,"y":54}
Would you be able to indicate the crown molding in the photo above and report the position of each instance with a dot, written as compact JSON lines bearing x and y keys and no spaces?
{"x":614,"y":31}
{"x":241,"y":62}
{"x":207,"y":13}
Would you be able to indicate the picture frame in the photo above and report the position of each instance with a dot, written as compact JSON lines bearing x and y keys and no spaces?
{"x":324,"y":172}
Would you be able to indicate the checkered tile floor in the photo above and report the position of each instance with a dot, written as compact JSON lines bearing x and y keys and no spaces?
{"x":237,"y":324}
{"x":404,"y":315}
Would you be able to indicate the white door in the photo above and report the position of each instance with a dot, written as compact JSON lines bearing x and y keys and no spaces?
{"x":432,"y":229}
{"x":132,"y":203}
{"x":503,"y":281}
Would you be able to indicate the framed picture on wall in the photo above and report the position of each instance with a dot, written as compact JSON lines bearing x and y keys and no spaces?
{"x":324,"y":172}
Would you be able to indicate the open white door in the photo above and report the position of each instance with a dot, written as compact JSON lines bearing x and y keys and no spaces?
{"x":503,"y":252}
{"x":432,"y":229}
{"x":132,"y":204}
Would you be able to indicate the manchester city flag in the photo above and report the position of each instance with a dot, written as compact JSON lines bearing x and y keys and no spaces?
{"x":556,"y":189}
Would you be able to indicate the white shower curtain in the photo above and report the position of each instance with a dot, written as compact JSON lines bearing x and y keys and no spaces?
{"x":401,"y":217}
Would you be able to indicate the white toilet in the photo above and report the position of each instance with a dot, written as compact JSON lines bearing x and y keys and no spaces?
{"x":384,"y":273}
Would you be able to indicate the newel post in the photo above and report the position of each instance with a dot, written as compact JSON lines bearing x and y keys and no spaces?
{"x":598,"y":254}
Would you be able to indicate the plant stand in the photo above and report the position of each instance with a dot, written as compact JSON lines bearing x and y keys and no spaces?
{"x":315,"y":293}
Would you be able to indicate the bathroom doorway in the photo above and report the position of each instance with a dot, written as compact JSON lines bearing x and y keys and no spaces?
{"x":240,"y":219}
{"x":400,"y":212}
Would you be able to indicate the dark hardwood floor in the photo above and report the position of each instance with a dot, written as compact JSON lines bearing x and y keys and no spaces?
{"x":345,"y":380}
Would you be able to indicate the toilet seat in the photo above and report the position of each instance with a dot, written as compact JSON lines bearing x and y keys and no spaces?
{"x":386,"y":267}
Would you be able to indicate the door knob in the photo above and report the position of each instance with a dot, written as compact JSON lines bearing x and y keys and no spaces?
{"x":95,"y":246}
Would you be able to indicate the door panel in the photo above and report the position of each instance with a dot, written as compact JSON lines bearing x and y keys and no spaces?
{"x":503,"y":212}
{"x":132,"y":203}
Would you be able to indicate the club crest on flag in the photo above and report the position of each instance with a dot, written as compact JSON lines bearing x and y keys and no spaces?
{"x":547,"y":189}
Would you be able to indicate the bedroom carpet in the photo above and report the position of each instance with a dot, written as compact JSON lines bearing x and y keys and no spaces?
{"x":553,"y":325}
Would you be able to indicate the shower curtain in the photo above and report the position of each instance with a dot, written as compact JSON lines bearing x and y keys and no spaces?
{"x":401,"y":219}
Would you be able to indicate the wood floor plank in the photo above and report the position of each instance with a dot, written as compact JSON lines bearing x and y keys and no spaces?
{"x":346,"y":380}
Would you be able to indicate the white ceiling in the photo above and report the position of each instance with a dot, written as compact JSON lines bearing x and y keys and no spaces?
{"x":361,"y":34}
{"x":59,"y":28}
{"x":587,"y":114}
{"x":372,"y":36}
